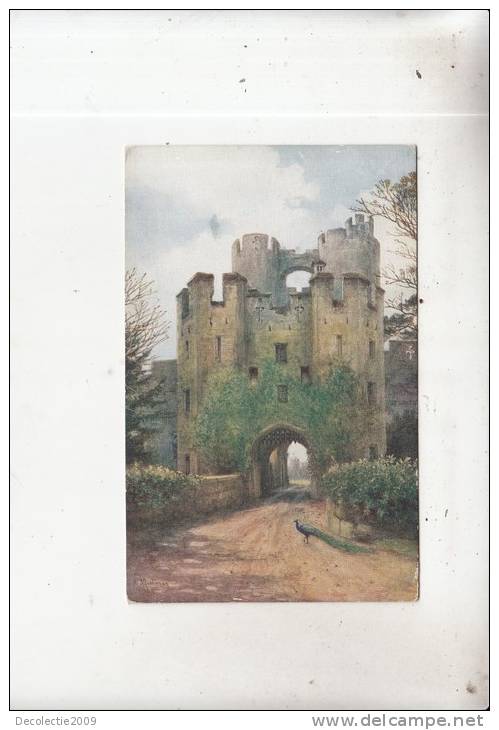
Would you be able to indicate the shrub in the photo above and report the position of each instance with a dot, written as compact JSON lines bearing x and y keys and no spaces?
{"x":156,"y":486}
{"x":385,"y":490}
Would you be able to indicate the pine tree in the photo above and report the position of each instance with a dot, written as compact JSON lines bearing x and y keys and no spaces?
{"x":145,"y":327}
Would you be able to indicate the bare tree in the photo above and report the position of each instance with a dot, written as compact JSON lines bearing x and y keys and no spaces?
{"x":145,"y":324}
{"x":397,"y":203}
{"x":145,"y":327}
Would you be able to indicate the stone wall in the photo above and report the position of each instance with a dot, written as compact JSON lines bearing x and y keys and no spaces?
{"x":213,"y":494}
{"x":221,"y":492}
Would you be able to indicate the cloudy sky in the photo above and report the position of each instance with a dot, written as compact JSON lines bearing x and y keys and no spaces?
{"x":186,"y":205}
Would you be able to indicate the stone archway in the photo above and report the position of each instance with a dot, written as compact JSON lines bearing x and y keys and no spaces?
{"x":282,"y":297}
{"x":275,"y":439}
{"x":285,"y":276}
{"x":288,"y":263}
{"x":297,"y":267}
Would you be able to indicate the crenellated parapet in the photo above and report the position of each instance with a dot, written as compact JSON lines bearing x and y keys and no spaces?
{"x":198,"y":295}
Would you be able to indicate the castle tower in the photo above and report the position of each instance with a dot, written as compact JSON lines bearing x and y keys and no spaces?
{"x":353,"y":250}
{"x":347,"y":318}
{"x":210,"y":335}
{"x":253,"y":259}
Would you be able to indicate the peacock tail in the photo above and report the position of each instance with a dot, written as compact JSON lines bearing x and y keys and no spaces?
{"x":340,"y":544}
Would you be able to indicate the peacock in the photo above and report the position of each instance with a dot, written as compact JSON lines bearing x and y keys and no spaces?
{"x":310,"y":530}
{"x":306,"y":530}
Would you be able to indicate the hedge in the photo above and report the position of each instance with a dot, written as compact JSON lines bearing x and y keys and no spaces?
{"x":153,"y":487}
{"x":384,"y":491}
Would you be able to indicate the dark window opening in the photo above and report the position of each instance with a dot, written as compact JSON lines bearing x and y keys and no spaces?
{"x":371,"y":295}
{"x":187,"y":349}
{"x":373,"y":453}
{"x":305,"y":374}
{"x":253,"y":373}
{"x":371,"y":394}
{"x":282,"y":393}
{"x":281,"y":352}
{"x":218,"y":348}
{"x":187,"y":464}
{"x":339,"y":345}
{"x":338,"y":295}
{"x":185,"y":304}
{"x":187,"y":401}
{"x":372,"y":348}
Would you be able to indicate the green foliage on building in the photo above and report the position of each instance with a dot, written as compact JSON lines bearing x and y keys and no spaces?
{"x":236,"y":409}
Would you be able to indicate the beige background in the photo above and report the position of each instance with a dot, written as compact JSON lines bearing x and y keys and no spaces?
{"x":334,"y":78}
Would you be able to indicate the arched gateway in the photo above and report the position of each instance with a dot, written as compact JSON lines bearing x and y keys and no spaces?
{"x":269,"y":457}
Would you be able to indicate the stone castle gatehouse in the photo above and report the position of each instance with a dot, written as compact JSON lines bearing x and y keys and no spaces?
{"x":339,"y":316}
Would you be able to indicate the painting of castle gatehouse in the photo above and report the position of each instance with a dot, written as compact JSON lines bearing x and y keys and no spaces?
{"x":281,"y":441}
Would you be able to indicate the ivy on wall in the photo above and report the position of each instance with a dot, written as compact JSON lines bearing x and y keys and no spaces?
{"x":236,"y":409}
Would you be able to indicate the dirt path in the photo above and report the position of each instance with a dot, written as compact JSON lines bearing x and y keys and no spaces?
{"x":257,"y":555}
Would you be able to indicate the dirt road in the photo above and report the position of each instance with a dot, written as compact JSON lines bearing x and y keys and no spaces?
{"x":256,"y":554}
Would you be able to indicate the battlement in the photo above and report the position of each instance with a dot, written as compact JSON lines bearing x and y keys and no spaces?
{"x":201,"y":277}
{"x":228,"y":278}
{"x":360,"y":229}
{"x":251,"y":243}
{"x":321,"y":277}
{"x":233,"y":278}
{"x":200,"y":289}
